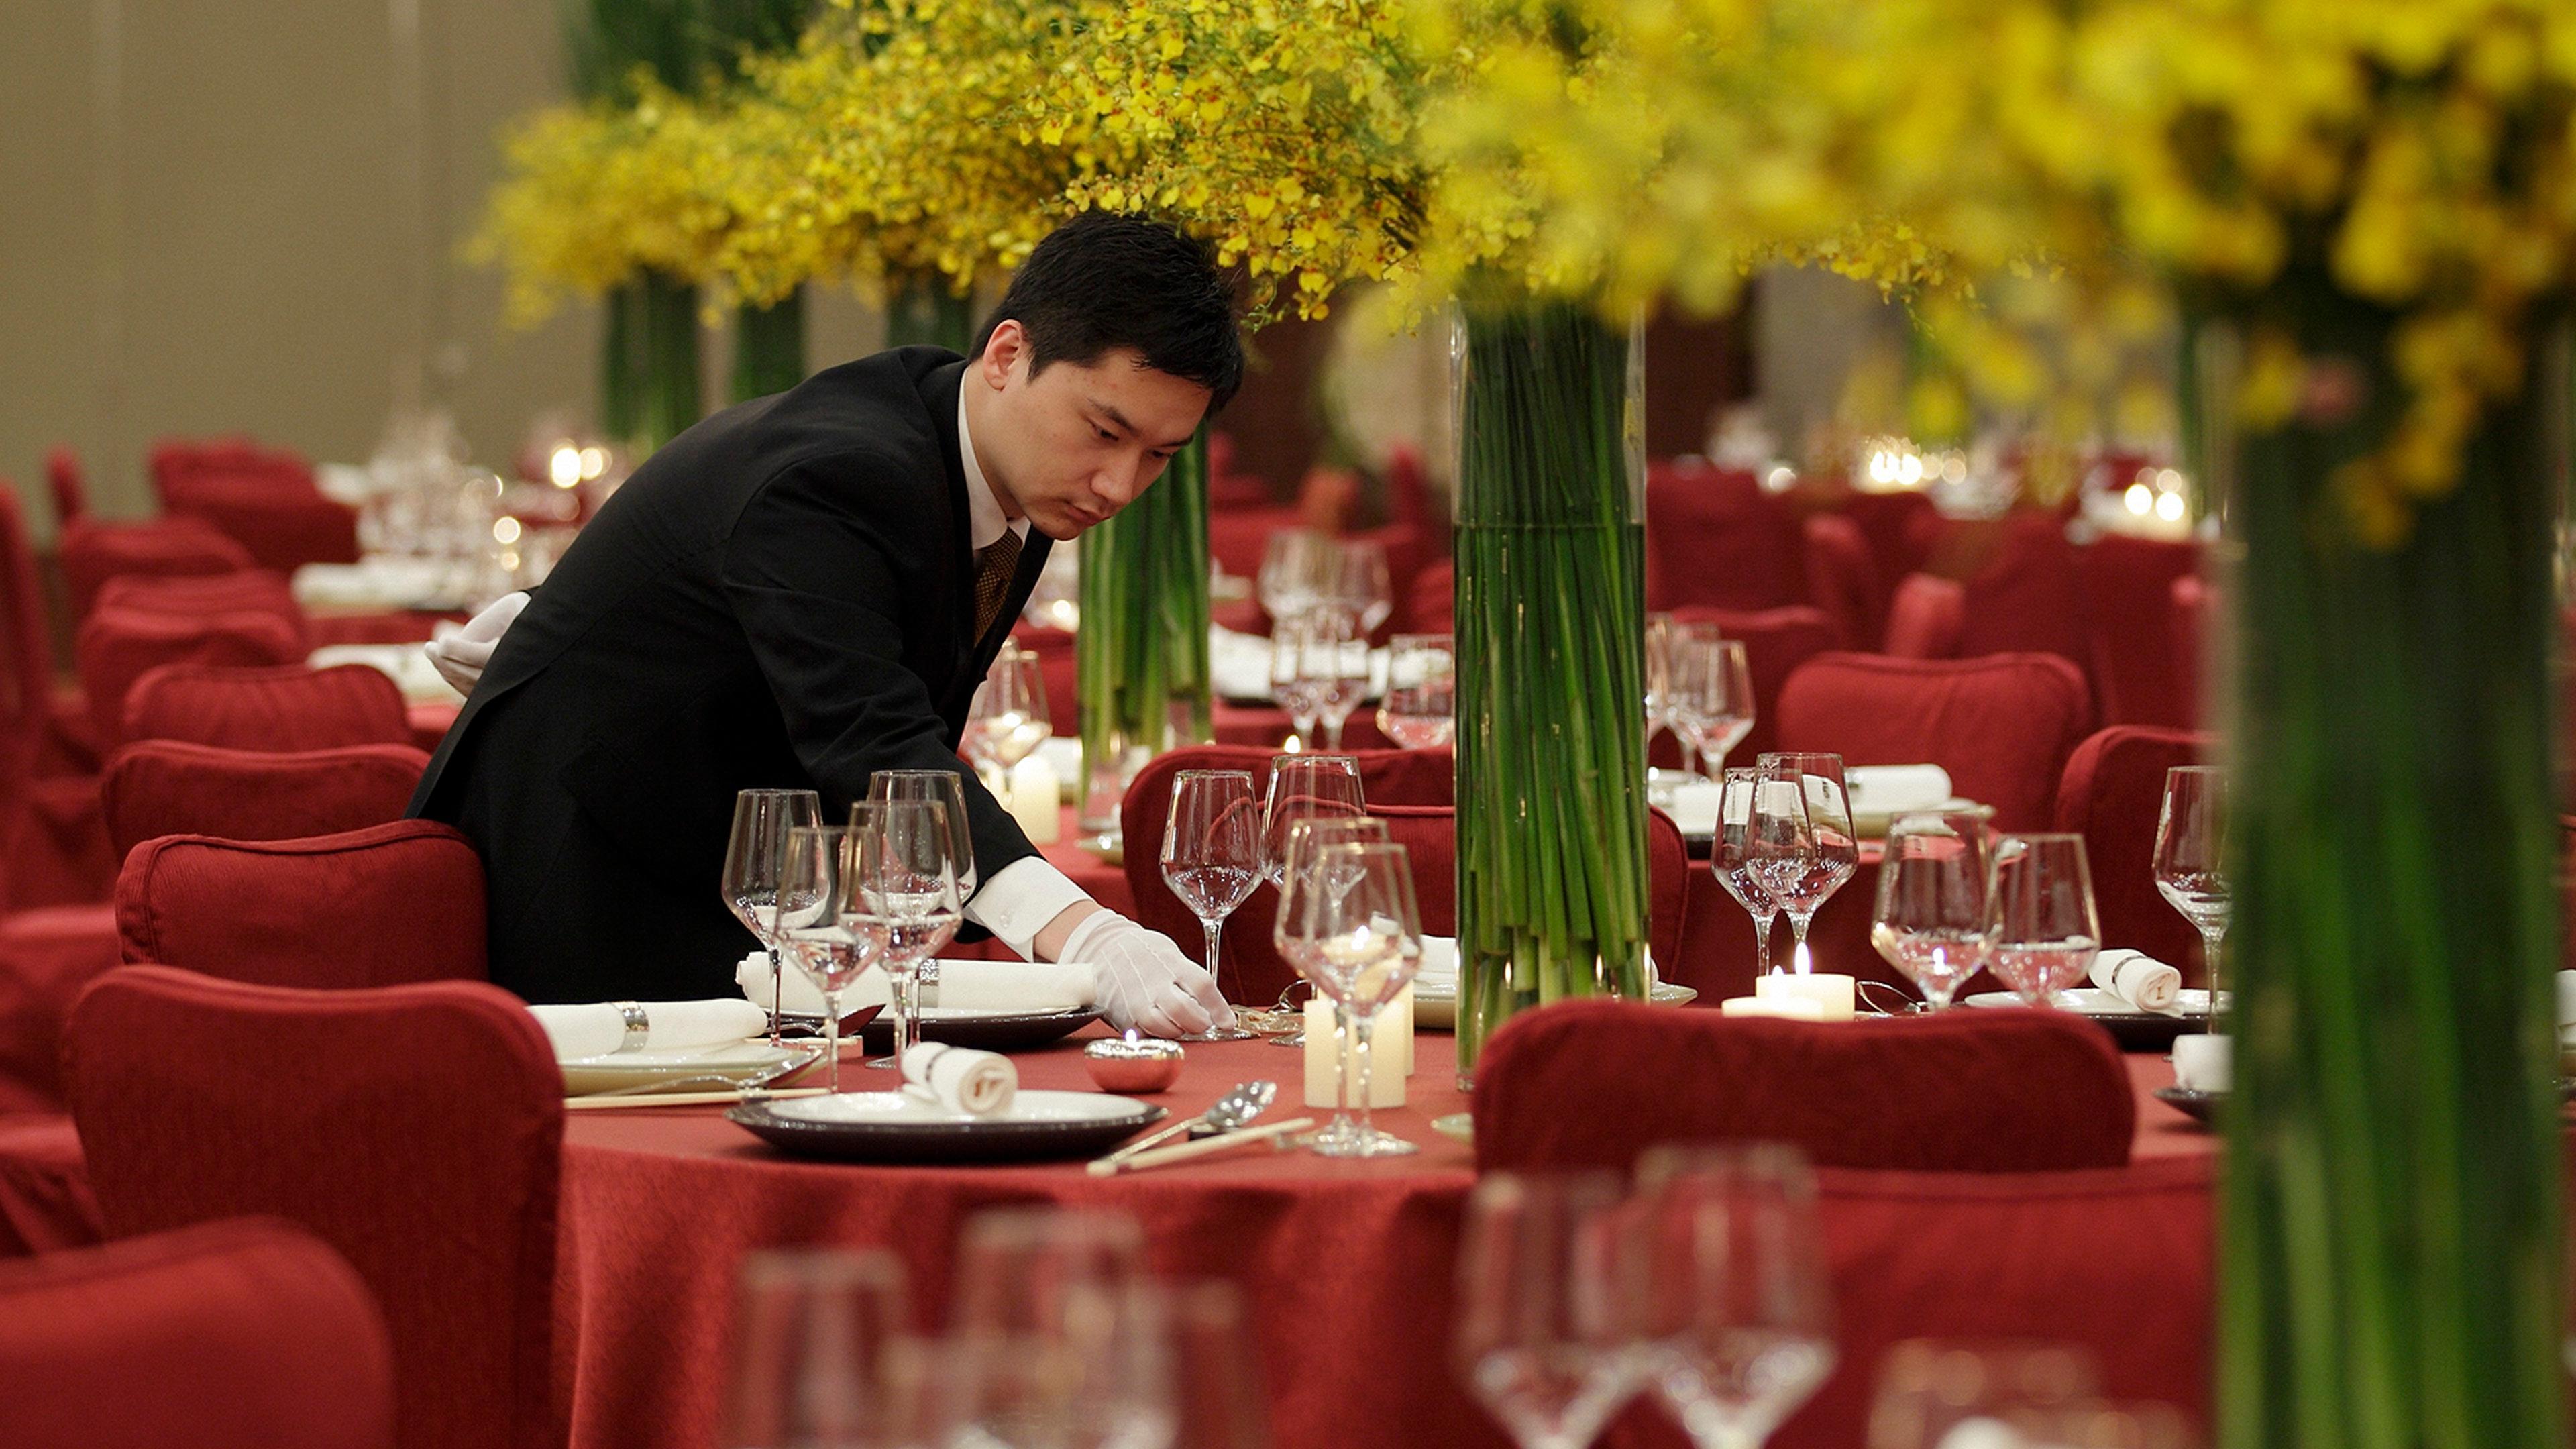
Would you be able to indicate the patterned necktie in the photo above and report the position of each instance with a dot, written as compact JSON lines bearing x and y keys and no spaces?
{"x":994,"y":565}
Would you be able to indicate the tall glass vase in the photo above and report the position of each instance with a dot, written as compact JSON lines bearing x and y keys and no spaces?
{"x":768,"y":347}
{"x":1551,"y":656}
{"x":2390,"y":1245}
{"x":1141,"y":653}
{"x":649,"y":368}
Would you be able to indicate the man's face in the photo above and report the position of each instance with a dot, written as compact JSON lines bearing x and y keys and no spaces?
{"x":1075,"y":443}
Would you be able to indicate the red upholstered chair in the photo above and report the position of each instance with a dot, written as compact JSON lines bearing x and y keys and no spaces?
{"x":52,"y":848}
{"x":175,"y":787}
{"x":1961,"y":1091}
{"x":1430,"y":834}
{"x":242,"y":591}
{"x":117,"y":647}
{"x":389,"y":904}
{"x":240,"y":1334}
{"x":177,"y":462}
{"x":1900,"y":529}
{"x":2002,"y":725}
{"x":92,"y":552}
{"x":46,"y":1204}
{"x":1714,"y":538}
{"x":2195,"y":614}
{"x":47,"y":717}
{"x":1253,"y":969}
{"x":1845,"y":579}
{"x":1431,"y":605}
{"x":282,"y":528}
{"x":2027,"y":598}
{"x":48,"y":956}
{"x":1925,"y":617}
{"x":2137,"y":662}
{"x":288,"y":707}
{"x":1776,"y":642}
{"x":2110,"y":794}
{"x":68,"y":484}
{"x":416,"y":1129}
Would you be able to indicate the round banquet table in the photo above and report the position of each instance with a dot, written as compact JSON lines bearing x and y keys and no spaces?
{"x":1346,"y":1265}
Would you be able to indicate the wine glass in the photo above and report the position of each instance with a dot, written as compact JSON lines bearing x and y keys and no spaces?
{"x":2040,"y":927}
{"x":1735,"y":1309}
{"x":1333,"y":665}
{"x":904,"y":903}
{"x":817,"y":1337}
{"x":1801,"y":841}
{"x":1930,"y":921}
{"x":1711,"y":689}
{"x":1545,"y":1339}
{"x":1350,"y":926}
{"x":1420,"y":710}
{"x":1659,"y":636}
{"x":1216,"y":1371}
{"x":813,"y":924}
{"x":753,"y":851}
{"x":1212,"y":859}
{"x":1062,"y":1338}
{"x":1293,"y":575}
{"x":1009,"y":716}
{"x":1731,"y":856}
{"x":1362,"y":590}
{"x":1305,"y":787}
{"x":2191,"y":866}
{"x":1292,"y":687}
{"x":1305,"y":837}
{"x":946,"y":789}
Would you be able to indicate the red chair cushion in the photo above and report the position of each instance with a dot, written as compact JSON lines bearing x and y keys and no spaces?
{"x":2001,"y":725}
{"x":292,"y":707}
{"x":2136,"y":657}
{"x":1997,"y":1091}
{"x":92,"y":552}
{"x":172,"y":787}
{"x":2110,"y":794}
{"x":392,"y":903}
{"x":1776,"y":642}
{"x":416,"y":1129}
{"x":48,"y":957}
{"x":243,"y":1334}
{"x":119,"y":646}
{"x":1925,"y":618}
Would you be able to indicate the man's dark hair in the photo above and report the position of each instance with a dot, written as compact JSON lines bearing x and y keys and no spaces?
{"x":1106,"y":280}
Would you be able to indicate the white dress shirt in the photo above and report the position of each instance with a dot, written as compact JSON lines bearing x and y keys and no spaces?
{"x":1023,"y":896}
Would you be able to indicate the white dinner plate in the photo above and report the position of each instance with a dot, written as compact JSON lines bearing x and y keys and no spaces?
{"x":899,"y":1127}
{"x":732,"y":1060}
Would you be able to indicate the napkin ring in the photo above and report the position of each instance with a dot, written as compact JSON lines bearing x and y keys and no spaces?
{"x":637,"y":1026}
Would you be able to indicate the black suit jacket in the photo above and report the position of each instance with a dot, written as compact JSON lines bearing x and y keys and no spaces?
{"x":781,"y":596}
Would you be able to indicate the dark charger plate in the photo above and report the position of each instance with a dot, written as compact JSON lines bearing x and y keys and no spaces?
{"x":989,"y":1033}
{"x":896,"y":1140}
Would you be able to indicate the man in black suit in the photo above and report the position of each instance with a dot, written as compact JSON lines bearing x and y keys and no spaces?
{"x":806,"y":589}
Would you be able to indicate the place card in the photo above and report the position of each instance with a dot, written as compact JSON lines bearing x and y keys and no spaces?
{"x":1831,"y":993}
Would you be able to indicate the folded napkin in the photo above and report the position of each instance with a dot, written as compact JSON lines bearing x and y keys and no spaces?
{"x":598,"y":1028}
{"x":802,"y":997}
{"x":976,"y":1083}
{"x":1895,"y":789}
{"x":2140,"y":980}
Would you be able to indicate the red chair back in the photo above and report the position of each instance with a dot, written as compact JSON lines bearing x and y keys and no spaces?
{"x":1431,"y":605}
{"x":418,"y":1130}
{"x":241,"y":1334}
{"x":70,"y":488}
{"x":2027,"y":600}
{"x":92,"y":552}
{"x":1845,"y":579}
{"x":292,"y":707}
{"x":117,"y":647}
{"x":1430,"y":834}
{"x":1776,"y":642}
{"x":26,"y":653}
{"x":2002,"y":725}
{"x":2112,"y":790}
{"x":173,"y":787}
{"x":2137,"y":660}
{"x":1898,"y":527}
{"x":1253,"y":970}
{"x":1926,"y":617}
{"x":1236,"y":536}
{"x":186,"y":596}
{"x":1715,"y":539}
{"x":280,"y":528}
{"x":382,"y":906}
{"x":179,"y":463}
{"x":1961,"y":1091}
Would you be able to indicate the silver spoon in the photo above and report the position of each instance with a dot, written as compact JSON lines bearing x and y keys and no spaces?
{"x":1229,"y":1113}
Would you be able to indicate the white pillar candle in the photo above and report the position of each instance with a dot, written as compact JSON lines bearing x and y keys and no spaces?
{"x":1030,"y":794}
{"x":1388,"y":1051}
{"x":2202,"y":1063}
{"x":1832,"y":994}
{"x":1788,"y":1008}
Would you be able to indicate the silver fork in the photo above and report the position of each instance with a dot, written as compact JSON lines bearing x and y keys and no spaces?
{"x":756,"y":1082}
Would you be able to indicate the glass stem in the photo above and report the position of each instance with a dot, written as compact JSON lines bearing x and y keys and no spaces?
{"x":1762,"y":942}
{"x":1332,"y":733}
{"x":1362,"y":1026}
{"x":1215,"y":928}
{"x":2209,"y":955}
{"x":832,"y":1042}
{"x":777,"y":998}
{"x":907,"y":1026}
{"x":1341,"y":1068}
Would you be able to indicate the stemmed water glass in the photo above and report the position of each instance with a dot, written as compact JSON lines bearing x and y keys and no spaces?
{"x":1212,"y":860}
{"x":944,"y":788}
{"x":1731,"y":857}
{"x":1295,"y":573}
{"x":1802,"y":843}
{"x":1546,"y":1337}
{"x":1733,"y":1305}
{"x":1930,"y":921}
{"x":2191,"y":867}
{"x":1362,"y":591}
{"x":1292,"y":688}
{"x":1334,"y":662}
{"x":813,"y":924}
{"x":1710,"y":694}
{"x":1009,"y":716}
{"x":2041,"y":932}
{"x":1060,"y":1336}
{"x":1305,"y":787}
{"x":1421,"y":705}
{"x":1350,"y":926}
{"x":1306,"y":835}
{"x":817,"y":1340}
{"x":754,"y":851}
{"x":904,"y":903}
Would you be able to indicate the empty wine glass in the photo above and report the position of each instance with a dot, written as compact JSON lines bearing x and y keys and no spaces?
{"x":1930,"y":921}
{"x":1545,"y":1336}
{"x":1212,"y":860}
{"x":946,"y":789}
{"x":1735,"y":1309}
{"x":1295,"y":567}
{"x":1009,"y":716}
{"x":1292,"y":687}
{"x":1305,"y":837}
{"x":1334,"y":663}
{"x":817,"y":1337}
{"x":1060,"y":1336}
{"x":813,"y":925}
{"x":904,"y":903}
{"x":1802,"y":843}
{"x":754,"y":850}
{"x":1362,"y":591}
{"x":1710,"y":694}
{"x":1421,"y":705}
{"x":1305,"y":787}
{"x":2041,"y":930}
{"x":2191,"y":866}
{"x":1731,"y":856}
{"x":1349,"y":924}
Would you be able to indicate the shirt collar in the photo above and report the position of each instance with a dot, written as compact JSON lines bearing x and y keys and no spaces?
{"x":985,"y":523}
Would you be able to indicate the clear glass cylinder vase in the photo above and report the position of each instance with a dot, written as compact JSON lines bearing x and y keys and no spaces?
{"x":1141,"y":653}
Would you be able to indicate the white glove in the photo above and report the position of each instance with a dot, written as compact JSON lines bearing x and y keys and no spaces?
{"x":1143,"y":980}
{"x":461,"y":655}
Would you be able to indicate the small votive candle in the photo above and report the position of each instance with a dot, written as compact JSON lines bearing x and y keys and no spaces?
{"x":1390,"y":1055}
{"x":1787,"y":1008}
{"x":1030,"y":794}
{"x":1832,"y":994}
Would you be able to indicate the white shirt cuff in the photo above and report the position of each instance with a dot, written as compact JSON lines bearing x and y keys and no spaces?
{"x":1020,"y":899}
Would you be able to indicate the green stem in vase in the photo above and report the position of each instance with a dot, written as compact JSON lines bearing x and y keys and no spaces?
{"x":649,"y":366}
{"x":1141,"y":655}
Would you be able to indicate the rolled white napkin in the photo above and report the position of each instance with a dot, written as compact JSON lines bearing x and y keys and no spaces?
{"x":2202,"y":1063}
{"x":751,"y":973}
{"x":2140,"y":980}
{"x":1894,"y":789}
{"x":598,"y":1028}
{"x":976,"y":1083}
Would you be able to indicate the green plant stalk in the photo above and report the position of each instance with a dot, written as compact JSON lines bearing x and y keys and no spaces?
{"x":2389,"y":1273}
{"x":1141,"y":655}
{"x":926,"y":310}
{"x":1552,"y":890}
{"x":769,"y":347}
{"x":649,"y":367}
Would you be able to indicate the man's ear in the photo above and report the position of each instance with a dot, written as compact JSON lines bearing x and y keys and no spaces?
{"x":1005,"y":350}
